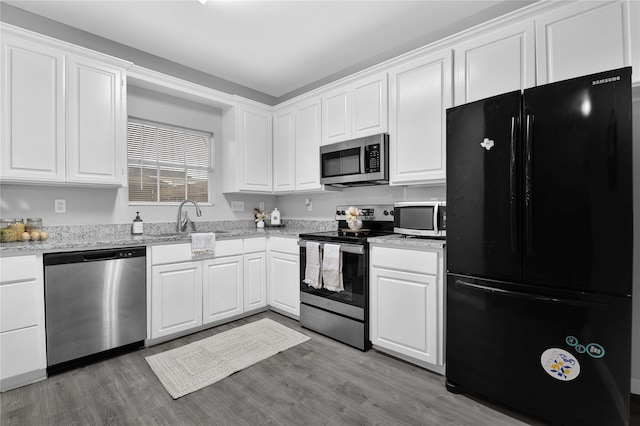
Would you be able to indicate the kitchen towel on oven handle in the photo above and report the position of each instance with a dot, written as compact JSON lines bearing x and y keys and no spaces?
{"x":313,"y":267}
{"x":332,"y":268}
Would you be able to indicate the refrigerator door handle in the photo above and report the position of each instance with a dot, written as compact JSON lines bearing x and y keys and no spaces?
{"x":531,"y":296}
{"x":528,"y":183}
{"x":512,"y":187}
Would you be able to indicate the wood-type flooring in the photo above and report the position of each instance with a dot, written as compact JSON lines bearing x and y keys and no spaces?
{"x":319,"y":382}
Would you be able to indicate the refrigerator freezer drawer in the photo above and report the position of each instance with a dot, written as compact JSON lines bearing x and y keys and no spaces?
{"x":560,"y":356}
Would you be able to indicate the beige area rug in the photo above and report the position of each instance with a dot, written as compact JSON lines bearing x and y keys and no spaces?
{"x":196,"y":365}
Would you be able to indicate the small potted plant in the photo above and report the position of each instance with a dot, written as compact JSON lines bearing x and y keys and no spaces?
{"x":259,"y":217}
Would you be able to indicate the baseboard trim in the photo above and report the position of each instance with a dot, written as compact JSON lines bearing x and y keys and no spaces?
{"x":635,"y":386}
{"x":22,"y":380}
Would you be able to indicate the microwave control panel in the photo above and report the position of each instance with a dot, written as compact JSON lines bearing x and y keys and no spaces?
{"x":372,"y":158}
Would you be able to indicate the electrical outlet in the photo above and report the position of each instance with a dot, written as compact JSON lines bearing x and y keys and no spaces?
{"x":60,"y":206}
{"x":237,"y":206}
{"x":261,"y":205}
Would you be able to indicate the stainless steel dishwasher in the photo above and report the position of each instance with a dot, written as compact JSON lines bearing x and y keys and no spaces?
{"x":95,"y":304}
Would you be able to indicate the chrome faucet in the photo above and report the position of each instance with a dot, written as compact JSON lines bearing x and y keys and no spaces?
{"x":183,"y":221}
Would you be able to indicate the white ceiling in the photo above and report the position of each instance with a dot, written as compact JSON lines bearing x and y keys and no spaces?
{"x":274,"y":47}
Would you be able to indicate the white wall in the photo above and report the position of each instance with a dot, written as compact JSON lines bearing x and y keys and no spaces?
{"x":324,"y":204}
{"x":97,"y":206}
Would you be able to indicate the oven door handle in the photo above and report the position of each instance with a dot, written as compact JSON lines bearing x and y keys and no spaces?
{"x":345,"y":248}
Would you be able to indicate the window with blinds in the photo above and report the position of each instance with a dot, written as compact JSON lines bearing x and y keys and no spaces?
{"x":167,"y":164}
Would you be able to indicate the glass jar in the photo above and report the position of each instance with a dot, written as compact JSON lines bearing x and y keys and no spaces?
{"x":34,"y":224}
{"x":18,"y":226}
{"x":11,"y":230}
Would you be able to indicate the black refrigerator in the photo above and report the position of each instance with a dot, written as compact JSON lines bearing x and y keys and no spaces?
{"x":539,"y":249}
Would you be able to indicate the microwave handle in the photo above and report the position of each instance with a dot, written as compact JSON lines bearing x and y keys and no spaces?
{"x":436,"y":213}
{"x":362,"y":155}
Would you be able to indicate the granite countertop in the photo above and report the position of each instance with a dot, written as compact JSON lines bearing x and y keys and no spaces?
{"x":403,"y":241}
{"x":90,"y":237}
{"x":109,"y":236}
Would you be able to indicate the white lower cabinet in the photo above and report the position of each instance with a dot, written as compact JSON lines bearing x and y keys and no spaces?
{"x":176,"y":298}
{"x":255,"y":273}
{"x":187,"y":293}
{"x":222,"y":288}
{"x":407,"y":304}
{"x":283,"y":264}
{"x":23,"y":358}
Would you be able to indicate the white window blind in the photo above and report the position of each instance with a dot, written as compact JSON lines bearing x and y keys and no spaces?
{"x":167,"y":164}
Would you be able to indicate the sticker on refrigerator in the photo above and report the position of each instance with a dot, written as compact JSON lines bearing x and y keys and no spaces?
{"x":487,"y":144}
{"x":560,"y":364}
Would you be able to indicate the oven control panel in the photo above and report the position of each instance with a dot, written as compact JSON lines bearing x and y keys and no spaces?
{"x":381,"y":212}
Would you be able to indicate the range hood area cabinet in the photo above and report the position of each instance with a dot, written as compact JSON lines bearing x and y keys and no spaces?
{"x":63,"y":113}
{"x":296,"y":147}
{"x":355,"y":110}
{"x":247,"y":153}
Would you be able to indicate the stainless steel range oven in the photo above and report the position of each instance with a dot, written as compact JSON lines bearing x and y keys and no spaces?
{"x":343,"y":315}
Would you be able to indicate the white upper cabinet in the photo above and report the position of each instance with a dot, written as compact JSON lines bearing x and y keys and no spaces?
{"x":420,"y":91}
{"x":248,"y":153}
{"x":284,"y":151}
{"x":96,"y":122}
{"x":497,"y":62}
{"x":63,"y":113}
{"x":33,"y":120}
{"x":308,"y":135}
{"x":583,"y":38}
{"x":356,"y":110}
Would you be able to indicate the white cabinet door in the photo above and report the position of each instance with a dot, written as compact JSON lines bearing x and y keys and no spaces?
{"x":255,"y":281}
{"x":407,"y":303}
{"x":284,"y":282}
{"x":420,"y":93}
{"x":256,"y":151}
{"x":308,"y":136}
{"x":222,"y":286}
{"x":356,"y":110}
{"x":404,"y":314}
{"x":33,"y":116}
{"x":583,"y":38}
{"x":336,"y":121}
{"x":498,"y":62}
{"x":176,"y":298}
{"x":96,"y":137}
{"x":284,"y":151}
{"x":370,"y":106}
{"x":22,"y":325}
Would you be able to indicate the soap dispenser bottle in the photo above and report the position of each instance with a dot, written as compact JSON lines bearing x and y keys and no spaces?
{"x":275,"y":217}
{"x":136,"y":228}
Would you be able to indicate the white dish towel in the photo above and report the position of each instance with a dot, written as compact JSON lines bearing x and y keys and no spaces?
{"x":332,"y":268}
{"x":203,"y":244}
{"x":312,"y":270}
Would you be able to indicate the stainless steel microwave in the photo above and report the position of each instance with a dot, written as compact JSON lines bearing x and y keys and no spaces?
{"x":420,"y":218}
{"x":357,"y":162}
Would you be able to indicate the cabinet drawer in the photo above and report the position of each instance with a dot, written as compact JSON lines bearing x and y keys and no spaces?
{"x":422,"y":262}
{"x":285,"y":245}
{"x":17,"y":268}
{"x":170,"y":253}
{"x":252,"y":245}
{"x":228,"y":248}
{"x":21,"y":351}
{"x":18,"y":307}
